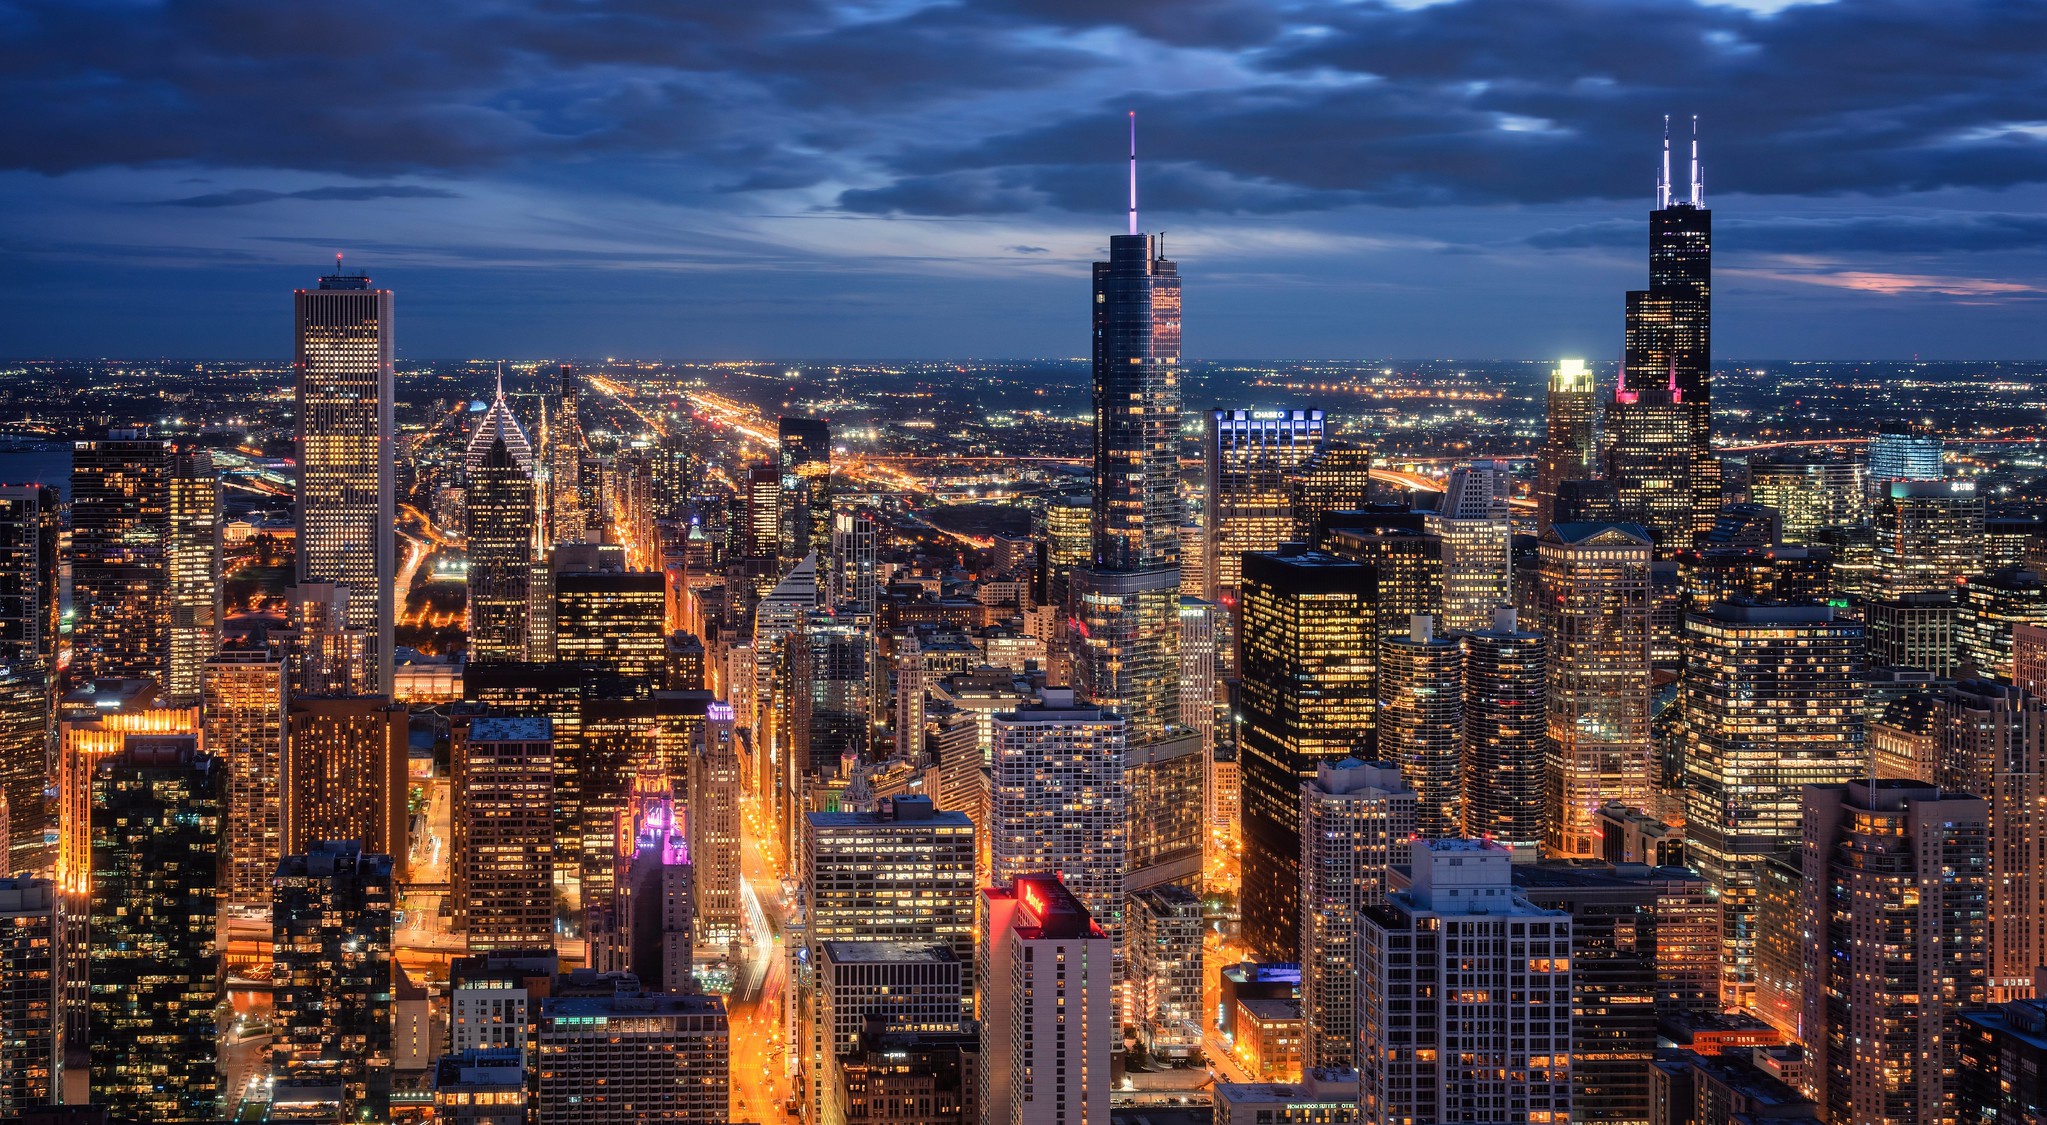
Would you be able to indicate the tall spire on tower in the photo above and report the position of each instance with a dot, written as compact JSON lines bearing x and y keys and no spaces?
{"x":1698,"y":172}
{"x":1133,"y":171}
{"x":1663,"y":174}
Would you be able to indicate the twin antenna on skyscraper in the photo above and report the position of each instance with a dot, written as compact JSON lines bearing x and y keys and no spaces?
{"x":1698,"y":196}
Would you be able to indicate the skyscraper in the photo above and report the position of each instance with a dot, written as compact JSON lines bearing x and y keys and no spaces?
{"x":1650,"y":467}
{"x":608,"y":615}
{"x":630,"y":1055}
{"x":347,"y":455}
{"x":502,"y":809}
{"x":1669,"y":347}
{"x":331,"y":983}
{"x":1308,"y":696}
{"x":344,"y":774}
{"x":1506,"y":673}
{"x":1569,"y":447}
{"x":31,"y":972}
{"x":1990,"y":740}
{"x":1163,"y":963}
{"x":714,"y":829}
{"x":1990,"y":609}
{"x":1893,"y":904}
{"x":1494,"y":1044}
{"x":194,"y":561}
{"x":1250,"y":460}
{"x":155,"y":970}
{"x":1421,"y":722}
{"x":120,"y":556}
{"x":1594,"y":601}
{"x":1047,"y":1007}
{"x":1478,"y":567}
{"x":1898,"y":451}
{"x":501,"y":512}
{"x":1772,"y":701}
{"x":1338,"y":478}
{"x":30,"y":525}
{"x":1357,"y":819}
{"x":1810,"y":492}
{"x":806,"y":450}
{"x":241,"y":708}
{"x":1060,"y":801}
{"x":1928,"y":534}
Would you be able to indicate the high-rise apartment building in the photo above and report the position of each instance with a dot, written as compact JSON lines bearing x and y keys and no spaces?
{"x":331,"y":979}
{"x":1929,"y":533}
{"x":344,"y":774}
{"x":1060,"y":801}
{"x":348,"y":456}
{"x":1162,"y":962}
{"x":1893,"y":906}
{"x":1471,"y":520}
{"x":631,"y":1056}
{"x":1570,"y":446}
{"x":1494,"y":1044}
{"x":904,"y":872}
{"x":1047,"y":1006}
{"x":154,"y":966}
{"x":854,"y":580}
{"x":1772,"y":702}
{"x":1251,"y":460}
{"x":1307,"y":696}
{"x":194,"y":560}
{"x":242,"y":708}
{"x":1357,"y":821}
{"x":1990,"y":740}
{"x":120,"y":556}
{"x":1503,"y":770}
{"x":502,"y":809}
{"x":832,"y":675}
{"x":1594,"y":610}
{"x":1421,"y":721}
{"x":31,"y":975}
{"x":502,"y":510}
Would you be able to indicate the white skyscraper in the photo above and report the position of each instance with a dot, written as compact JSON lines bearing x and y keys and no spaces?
{"x":1059,"y":801}
{"x":1477,"y":565}
{"x":1356,"y":821}
{"x":347,"y":456}
{"x":1047,"y":1005}
{"x":1464,"y":996}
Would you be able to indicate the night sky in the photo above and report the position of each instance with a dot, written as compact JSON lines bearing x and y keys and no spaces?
{"x":893,"y":178}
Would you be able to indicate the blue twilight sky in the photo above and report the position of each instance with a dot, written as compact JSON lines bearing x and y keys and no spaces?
{"x":909,"y":178}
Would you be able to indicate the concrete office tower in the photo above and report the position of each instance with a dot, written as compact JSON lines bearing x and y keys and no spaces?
{"x":242,"y":708}
{"x":1809,"y":492}
{"x":1991,"y":740}
{"x":347,"y":456}
{"x":864,"y":986}
{"x":1928,"y":534}
{"x":1421,"y":723}
{"x":904,"y":872}
{"x":1991,"y":608}
{"x":1337,"y":479}
{"x":1060,"y":801}
{"x":1645,"y":944}
{"x":344,"y":774}
{"x":1495,"y":1043}
{"x":1772,"y":701}
{"x":1594,"y":601}
{"x":1570,"y":445}
{"x":502,"y":510}
{"x":1897,"y":452}
{"x":154,"y":964}
{"x":194,"y":560}
{"x":1250,"y":461}
{"x":31,"y":522}
{"x":1905,"y":861}
{"x":1047,"y":1007}
{"x":653,"y":900}
{"x":1199,"y":660}
{"x":632,"y":1056}
{"x":31,"y":974}
{"x":1357,"y":820}
{"x":502,"y":807}
{"x":609,"y":615}
{"x":331,"y":990}
{"x":1307,"y":696}
{"x":120,"y":557}
{"x":1472,"y":522}
{"x":715,"y":831}
{"x":1163,"y":962}
{"x":1506,"y":673}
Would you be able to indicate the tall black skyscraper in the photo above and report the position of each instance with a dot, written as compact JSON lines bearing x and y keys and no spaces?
{"x":1668,"y":352}
{"x":120,"y":570}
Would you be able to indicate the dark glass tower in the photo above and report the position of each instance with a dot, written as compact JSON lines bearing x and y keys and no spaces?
{"x":501,"y":534}
{"x":120,"y":542}
{"x":1668,"y":351}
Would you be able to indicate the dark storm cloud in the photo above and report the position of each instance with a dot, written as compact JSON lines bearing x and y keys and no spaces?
{"x":1938,"y":233}
{"x":243,"y":197}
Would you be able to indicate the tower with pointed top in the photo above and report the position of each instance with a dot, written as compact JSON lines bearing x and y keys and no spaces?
{"x":1660,"y":424}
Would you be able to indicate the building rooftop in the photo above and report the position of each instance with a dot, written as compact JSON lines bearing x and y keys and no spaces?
{"x":499,"y":728}
{"x":1270,"y":1009}
{"x":886,"y":952}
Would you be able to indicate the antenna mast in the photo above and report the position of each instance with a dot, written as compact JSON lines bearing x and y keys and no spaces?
{"x":1698,"y":173}
{"x":1133,"y":172}
{"x":1663,"y":176}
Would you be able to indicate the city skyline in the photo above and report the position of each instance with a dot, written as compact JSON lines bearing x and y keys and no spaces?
{"x":1345,"y":179}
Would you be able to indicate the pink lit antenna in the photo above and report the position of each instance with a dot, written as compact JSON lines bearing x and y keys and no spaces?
{"x":1133,"y":171}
